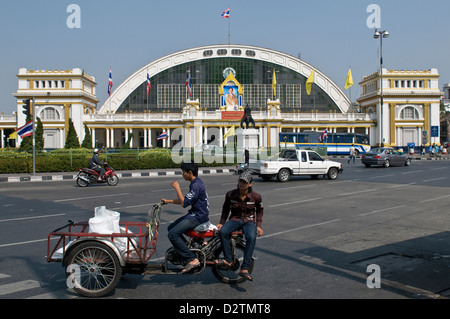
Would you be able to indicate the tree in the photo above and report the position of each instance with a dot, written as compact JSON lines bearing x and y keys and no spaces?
{"x":87,"y":142}
{"x":72,"y":137}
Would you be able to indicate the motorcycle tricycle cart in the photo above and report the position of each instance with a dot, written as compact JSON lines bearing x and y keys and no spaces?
{"x":94,"y":262}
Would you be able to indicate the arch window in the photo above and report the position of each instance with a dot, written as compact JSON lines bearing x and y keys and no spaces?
{"x":409,"y":113}
{"x":50,"y":113}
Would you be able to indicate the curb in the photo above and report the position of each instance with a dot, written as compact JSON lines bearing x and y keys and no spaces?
{"x":41,"y":178}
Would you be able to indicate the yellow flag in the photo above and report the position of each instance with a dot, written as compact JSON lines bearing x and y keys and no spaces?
{"x":349,"y":80}
{"x":309,"y":82}
{"x":274,"y":82}
{"x":230,"y":132}
{"x":13,"y":136}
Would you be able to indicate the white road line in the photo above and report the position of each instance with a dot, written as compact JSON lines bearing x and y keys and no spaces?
{"x":296,"y":202}
{"x":433,"y":179}
{"x":381,"y":210}
{"x":88,"y":197}
{"x":298,"y":228}
{"x":32,"y":217}
{"x":18,"y":286}
{"x":433,"y":199}
{"x":4,"y":276}
{"x":412,"y":172}
{"x":401,"y":185}
{"x":358,"y":192}
{"x":26,"y":242}
{"x":283,"y":188}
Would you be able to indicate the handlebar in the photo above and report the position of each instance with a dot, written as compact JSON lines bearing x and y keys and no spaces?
{"x":71,"y":223}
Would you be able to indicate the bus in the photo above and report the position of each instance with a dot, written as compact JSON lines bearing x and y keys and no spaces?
{"x":336,"y":143}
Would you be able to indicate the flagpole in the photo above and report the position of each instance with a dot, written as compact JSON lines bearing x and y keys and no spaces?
{"x":34,"y":138}
{"x":229,"y":33}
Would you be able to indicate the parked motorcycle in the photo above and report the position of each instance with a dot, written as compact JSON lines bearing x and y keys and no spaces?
{"x":88,"y":176}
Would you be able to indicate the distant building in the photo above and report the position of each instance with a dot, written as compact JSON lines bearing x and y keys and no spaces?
{"x":59,"y":95}
{"x":410,"y":108}
{"x":271,"y":82}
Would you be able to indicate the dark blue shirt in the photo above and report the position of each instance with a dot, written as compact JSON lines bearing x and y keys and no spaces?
{"x":197,"y":197}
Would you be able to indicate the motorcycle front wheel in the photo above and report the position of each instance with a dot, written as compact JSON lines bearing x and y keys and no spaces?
{"x":81,"y":182}
{"x":231,"y":275}
{"x":112,"y":180}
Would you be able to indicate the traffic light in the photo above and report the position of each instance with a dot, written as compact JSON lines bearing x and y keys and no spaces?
{"x":27,"y":107}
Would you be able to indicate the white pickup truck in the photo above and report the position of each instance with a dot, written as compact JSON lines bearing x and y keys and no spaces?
{"x":295,"y":162}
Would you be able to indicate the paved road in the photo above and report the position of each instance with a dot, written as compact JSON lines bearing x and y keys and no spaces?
{"x":320,"y":236}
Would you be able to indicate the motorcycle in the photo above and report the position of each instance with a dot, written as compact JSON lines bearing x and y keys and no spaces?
{"x":88,"y":176}
{"x":206,"y":245}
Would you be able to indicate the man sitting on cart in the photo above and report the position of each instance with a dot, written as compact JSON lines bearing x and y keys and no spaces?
{"x":197,"y":198}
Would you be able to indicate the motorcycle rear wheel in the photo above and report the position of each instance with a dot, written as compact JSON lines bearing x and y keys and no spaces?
{"x":231,"y":276}
{"x":81,"y":182}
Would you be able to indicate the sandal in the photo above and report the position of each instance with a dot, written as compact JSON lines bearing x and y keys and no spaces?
{"x":245,"y":275}
{"x":190,"y":266}
{"x":223,"y":264}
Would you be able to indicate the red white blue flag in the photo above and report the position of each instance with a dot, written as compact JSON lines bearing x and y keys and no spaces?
{"x":162,"y":136}
{"x":323,"y":136}
{"x":26,"y":130}
{"x":188,"y":82}
{"x":110,"y":82}
{"x":149,"y":86}
{"x":226,"y":14}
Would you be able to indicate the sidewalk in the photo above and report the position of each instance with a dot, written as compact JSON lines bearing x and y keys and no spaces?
{"x":59,"y":176}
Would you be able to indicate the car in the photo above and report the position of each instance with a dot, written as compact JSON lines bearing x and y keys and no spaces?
{"x":385,"y":156}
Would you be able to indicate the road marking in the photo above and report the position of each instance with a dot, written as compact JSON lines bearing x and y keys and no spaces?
{"x":381,"y":210}
{"x":88,"y":197}
{"x":298,"y":228}
{"x":433,"y":179}
{"x":358,"y":192}
{"x":411,"y":172}
{"x":18,"y":286}
{"x":433,"y":199}
{"x":283,"y":188}
{"x":382,"y":176}
{"x":401,"y":185}
{"x":26,"y":242}
{"x":33,"y":217}
{"x":296,"y":202}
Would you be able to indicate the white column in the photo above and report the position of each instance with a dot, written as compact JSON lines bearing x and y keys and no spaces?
{"x":131,"y":140}
{"x":145,"y":138}
{"x":107,"y":138}
{"x":150,"y":144}
{"x":93,"y":137}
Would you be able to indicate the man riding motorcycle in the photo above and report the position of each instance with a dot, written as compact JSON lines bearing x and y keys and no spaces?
{"x":97,"y":165}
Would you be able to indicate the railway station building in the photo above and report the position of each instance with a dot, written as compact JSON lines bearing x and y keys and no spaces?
{"x":223,"y":80}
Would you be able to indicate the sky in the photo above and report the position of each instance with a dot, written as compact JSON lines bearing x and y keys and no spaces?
{"x":331,"y":35}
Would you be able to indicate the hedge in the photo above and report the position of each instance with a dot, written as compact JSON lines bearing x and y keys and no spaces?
{"x":13,"y":161}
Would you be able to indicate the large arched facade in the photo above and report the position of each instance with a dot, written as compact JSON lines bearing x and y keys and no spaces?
{"x":254,"y":68}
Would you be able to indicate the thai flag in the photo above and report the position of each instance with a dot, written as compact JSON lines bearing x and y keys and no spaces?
{"x":149,"y":86}
{"x":110,"y":82}
{"x":323,"y":136}
{"x":188,"y":82}
{"x":226,"y":14}
{"x":162,"y":136}
{"x":26,"y":130}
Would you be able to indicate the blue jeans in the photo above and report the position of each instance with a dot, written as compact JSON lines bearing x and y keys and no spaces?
{"x":176,"y":231}
{"x":249,"y":229}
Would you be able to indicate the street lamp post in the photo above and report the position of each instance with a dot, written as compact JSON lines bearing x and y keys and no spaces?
{"x":381,"y":35}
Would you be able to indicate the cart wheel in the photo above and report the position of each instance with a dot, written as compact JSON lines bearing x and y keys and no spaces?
{"x":99,"y":269}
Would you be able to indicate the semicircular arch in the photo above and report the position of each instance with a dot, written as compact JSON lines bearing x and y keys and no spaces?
{"x":219,"y":51}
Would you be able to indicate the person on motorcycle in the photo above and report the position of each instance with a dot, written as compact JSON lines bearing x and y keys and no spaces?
{"x":197,"y":198}
{"x":246,"y":213}
{"x":97,"y":165}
